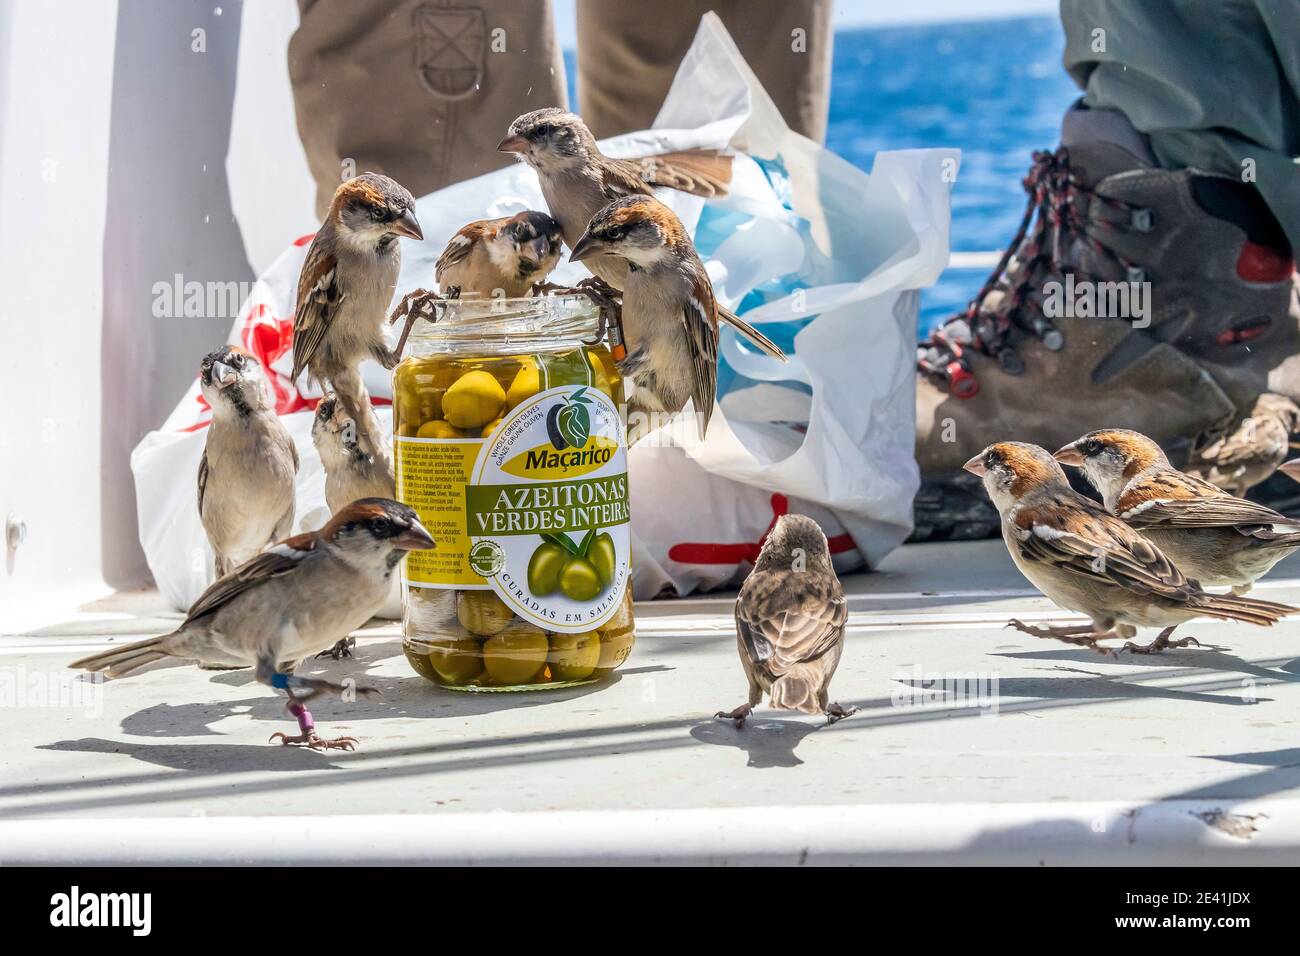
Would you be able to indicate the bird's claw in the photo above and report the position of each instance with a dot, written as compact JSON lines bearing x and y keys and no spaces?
{"x":1159,"y":644}
{"x":737,"y":716}
{"x":313,"y":741}
{"x":836,"y":713}
{"x":340,"y":650}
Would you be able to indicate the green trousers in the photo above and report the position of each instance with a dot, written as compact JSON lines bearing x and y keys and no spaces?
{"x":1215,"y":84}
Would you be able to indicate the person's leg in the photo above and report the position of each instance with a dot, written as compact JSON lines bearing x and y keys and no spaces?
{"x":1215,"y":87}
{"x":628,"y":54}
{"x":420,"y":90}
{"x":1142,"y":293}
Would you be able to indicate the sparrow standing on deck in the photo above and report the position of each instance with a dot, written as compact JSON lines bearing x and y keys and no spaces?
{"x":1090,"y":562}
{"x":246,"y":474}
{"x":1214,"y":538}
{"x":288,"y":603}
{"x":790,"y":618}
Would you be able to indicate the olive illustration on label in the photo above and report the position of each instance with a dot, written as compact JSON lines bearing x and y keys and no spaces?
{"x":568,"y":425}
{"x":544,"y":568}
{"x":579,"y":571}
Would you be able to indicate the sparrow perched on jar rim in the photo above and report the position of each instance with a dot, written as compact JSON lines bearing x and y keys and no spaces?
{"x":1251,"y":453}
{"x":288,"y":603}
{"x":790,"y":617}
{"x":1213,"y":537}
{"x":246,"y":474}
{"x":348,"y":278}
{"x":670,"y":317}
{"x":495,"y":258}
{"x":578,"y":180}
{"x":1089,"y":561}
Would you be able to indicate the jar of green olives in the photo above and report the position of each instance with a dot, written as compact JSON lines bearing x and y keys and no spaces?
{"x":510,"y":446}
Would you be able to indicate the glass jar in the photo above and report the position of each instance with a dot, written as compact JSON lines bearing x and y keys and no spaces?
{"x":509,"y":444}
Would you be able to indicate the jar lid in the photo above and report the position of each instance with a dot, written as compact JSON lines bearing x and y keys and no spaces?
{"x":506,"y":325}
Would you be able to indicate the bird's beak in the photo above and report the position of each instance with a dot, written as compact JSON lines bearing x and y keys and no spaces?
{"x":414,"y":538}
{"x":536,"y":250}
{"x":223,"y":375}
{"x":513,"y":144}
{"x":408,"y":225}
{"x":1069,"y":455}
{"x":976,"y":466}
{"x":1291,"y":469}
{"x":586,"y":248}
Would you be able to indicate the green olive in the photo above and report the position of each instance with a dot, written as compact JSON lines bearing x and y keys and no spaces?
{"x":603,"y":558}
{"x":544,"y":568}
{"x":457,"y":661}
{"x":579,"y":580}
{"x":473,"y":400}
{"x":574,"y":656}
{"x":516,"y":655}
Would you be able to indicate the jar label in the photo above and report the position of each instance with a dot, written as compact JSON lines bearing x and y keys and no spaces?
{"x":538,"y":511}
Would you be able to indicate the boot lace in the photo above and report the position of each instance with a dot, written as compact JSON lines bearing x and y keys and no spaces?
{"x":1053,"y":221}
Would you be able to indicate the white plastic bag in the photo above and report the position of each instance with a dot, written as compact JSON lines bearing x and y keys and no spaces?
{"x":825,"y":257}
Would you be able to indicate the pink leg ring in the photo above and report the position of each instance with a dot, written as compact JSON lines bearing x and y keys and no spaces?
{"x":299,"y":710}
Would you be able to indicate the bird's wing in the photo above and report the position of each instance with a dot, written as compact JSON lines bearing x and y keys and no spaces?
{"x":748,"y":331}
{"x":700,"y":325}
{"x":1073,"y":533}
{"x":319,"y":295}
{"x":700,"y":172}
{"x":622,"y":177}
{"x":459,"y":247}
{"x":1174,"y":500}
{"x":790,"y":618}
{"x":203,"y":479}
{"x":272,"y":563}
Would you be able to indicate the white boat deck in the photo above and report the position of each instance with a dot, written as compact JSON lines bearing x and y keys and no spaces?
{"x":1040,"y":752}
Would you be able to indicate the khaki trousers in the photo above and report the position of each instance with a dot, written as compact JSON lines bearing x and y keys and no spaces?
{"x":423,"y":90}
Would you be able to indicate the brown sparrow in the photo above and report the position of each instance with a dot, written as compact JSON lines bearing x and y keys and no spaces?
{"x":670,"y":318}
{"x":348,"y":278}
{"x":1213,"y":537}
{"x":500,"y":257}
{"x":289,"y":602}
{"x":578,"y":180}
{"x":354,"y":466}
{"x":1088,"y":561}
{"x":1241,"y":460}
{"x":246,"y":474}
{"x":790,"y":617}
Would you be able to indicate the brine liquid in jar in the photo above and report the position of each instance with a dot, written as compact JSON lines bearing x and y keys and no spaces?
{"x":510,"y":446}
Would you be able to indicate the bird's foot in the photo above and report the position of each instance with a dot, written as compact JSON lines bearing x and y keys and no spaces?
{"x":1162,"y":642}
{"x":313,"y":741}
{"x":1081,"y":635}
{"x":340,"y":650}
{"x":835,"y":712}
{"x":738,"y":715}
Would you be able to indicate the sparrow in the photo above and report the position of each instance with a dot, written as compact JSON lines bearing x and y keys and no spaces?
{"x":348,"y":278}
{"x":1213,"y":537}
{"x":354,"y":466}
{"x":578,"y":180}
{"x":1241,"y":460}
{"x":290,"y":601}
{"x":500,"y":257}
{"x":790,"y":617}
{"x":246,"y":474}
{"x":1087,"y":560}
{"x":670,"y":316}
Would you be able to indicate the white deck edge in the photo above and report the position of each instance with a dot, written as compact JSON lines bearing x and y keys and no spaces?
{"x":1185,"y":832}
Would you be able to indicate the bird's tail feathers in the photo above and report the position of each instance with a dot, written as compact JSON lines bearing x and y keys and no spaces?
{"x":1227,"y":607}
{"x":752,"y":334}
{"x":121,"y":661}
{"x":797,"y":690}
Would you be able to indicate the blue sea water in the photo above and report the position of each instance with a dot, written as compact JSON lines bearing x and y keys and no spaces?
{"x":994,"y":89}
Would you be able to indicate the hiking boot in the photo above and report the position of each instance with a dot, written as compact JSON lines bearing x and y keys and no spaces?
{"x":1131,"y":297}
